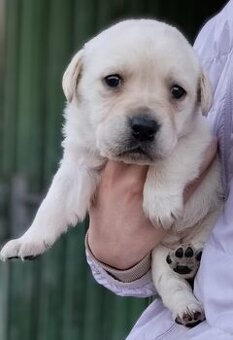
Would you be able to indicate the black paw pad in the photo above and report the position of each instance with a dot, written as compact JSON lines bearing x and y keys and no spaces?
{"x":198,"y":256}
{"x":184,"y":260}
{"x":182,"y":269}
{"x":179,"y":252}
{"x":189,"y":252}
{"x":168,"y":259}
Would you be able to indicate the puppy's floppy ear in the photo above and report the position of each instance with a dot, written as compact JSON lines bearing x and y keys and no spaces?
{"x":205,"y":95}
{"x":70,"y":77}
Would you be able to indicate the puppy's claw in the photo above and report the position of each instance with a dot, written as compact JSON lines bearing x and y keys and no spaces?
{"x":12,"y":258}
{"x":25,"y":248}
{"x":190,"y":317}
{"x":31,"y":257}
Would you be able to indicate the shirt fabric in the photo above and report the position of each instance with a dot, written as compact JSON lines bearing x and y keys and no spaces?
{"x":214,"y":281}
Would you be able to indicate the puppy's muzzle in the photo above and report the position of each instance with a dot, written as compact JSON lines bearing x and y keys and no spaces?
{"x":143,"y":128}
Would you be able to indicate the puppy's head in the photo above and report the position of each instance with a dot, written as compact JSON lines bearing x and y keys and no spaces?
{"x":139,"y":87}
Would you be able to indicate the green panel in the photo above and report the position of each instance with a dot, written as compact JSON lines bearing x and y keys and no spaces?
{"x":75,"y":286}
{"x":58,"y":52}
{"x":23,"y":286}
{"x":10,"y":88}
{"x":8,"y":27}
{"x":31,"y":97}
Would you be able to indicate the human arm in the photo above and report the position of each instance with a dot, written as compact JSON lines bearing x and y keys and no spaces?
{"x":119,"y":234}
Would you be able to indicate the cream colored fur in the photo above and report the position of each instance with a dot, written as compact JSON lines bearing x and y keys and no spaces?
{"x":151,"y":57}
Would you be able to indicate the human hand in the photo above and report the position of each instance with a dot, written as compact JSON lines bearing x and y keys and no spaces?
{"x":119,"y":233}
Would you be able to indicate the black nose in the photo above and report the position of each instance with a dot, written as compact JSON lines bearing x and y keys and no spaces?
{"x":143,"y":128}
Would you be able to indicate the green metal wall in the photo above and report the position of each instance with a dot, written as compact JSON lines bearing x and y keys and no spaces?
{"x":55,"y":297}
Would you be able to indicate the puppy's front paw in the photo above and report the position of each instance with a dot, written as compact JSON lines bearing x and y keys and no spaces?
{"x":24,"y":248}
{"x":185,"y":260}
{"x":163,"y":210}
{"x":189,"y":314}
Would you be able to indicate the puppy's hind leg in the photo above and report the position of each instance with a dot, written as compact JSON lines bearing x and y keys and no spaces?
{"x":185,"y":259}
{"x":66,"y":204}
{"x":175,"y":292}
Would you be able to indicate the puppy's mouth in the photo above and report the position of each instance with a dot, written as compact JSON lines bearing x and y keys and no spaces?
{"x":136,"y":153}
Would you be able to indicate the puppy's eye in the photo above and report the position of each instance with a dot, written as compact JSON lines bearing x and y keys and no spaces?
{"x":177,"y":92}
{"x":113,"y":80}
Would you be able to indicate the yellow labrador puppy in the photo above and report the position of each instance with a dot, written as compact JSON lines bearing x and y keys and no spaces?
{"x":136,"y":93}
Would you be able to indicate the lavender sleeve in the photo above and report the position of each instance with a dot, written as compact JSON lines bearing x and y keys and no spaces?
{"x":135,"y":282}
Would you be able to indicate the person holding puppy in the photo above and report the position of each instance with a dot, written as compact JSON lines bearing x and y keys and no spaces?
{"x":120,"y":238}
